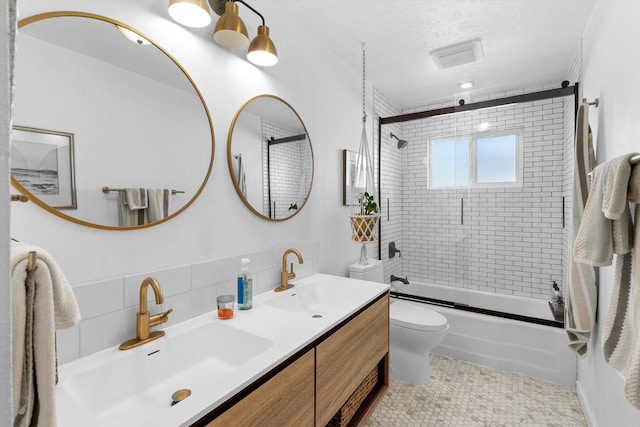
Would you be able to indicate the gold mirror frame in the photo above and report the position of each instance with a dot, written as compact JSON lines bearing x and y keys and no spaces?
{"x":36,"y":200}
{"x":230,"y":158}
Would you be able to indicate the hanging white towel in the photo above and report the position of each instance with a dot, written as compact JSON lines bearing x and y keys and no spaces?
{"x":621,"y":332}
{"x":132,"y":207}
{"x":158,"y":203}
{"x":579,"y":307}
{"x":136,"y":198}
{"x":42,"y":300}
{"x":240,"y":175}
{"x":599,"y":236}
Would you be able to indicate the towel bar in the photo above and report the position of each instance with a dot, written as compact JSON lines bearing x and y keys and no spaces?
{"x":107,"y":190}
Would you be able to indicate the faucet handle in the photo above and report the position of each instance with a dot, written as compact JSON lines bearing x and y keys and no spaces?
{"x":291,"y":274}
{"x":159,"y":318}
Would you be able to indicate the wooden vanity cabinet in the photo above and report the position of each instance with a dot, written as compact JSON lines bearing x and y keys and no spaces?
{"x":284,"y":400}
{"x":309,"y":390}
{"x":345,"y":358}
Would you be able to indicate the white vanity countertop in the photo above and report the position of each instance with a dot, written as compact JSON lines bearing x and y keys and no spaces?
{"x":108,"y":388}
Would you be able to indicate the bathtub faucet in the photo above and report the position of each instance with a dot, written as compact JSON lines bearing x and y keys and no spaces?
{"x":399,"y":279}
{"x":393,"y":250}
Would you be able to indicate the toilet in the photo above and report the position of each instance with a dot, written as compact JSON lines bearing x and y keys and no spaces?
{"x":414,"y":330}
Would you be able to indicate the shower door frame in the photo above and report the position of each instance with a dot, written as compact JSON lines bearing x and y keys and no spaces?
{"x":564,"y":91}
{"x":526,"y":97}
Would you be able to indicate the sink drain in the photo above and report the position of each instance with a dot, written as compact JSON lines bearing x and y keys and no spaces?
{"x":317,"y":316}
{"x":180,"y":395}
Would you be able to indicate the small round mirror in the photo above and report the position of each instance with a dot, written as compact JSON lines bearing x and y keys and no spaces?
{"x":270,"y":158}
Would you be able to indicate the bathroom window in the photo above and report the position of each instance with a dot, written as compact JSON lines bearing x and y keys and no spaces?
{"x":450,"y":162}
{"x":487,"y":159}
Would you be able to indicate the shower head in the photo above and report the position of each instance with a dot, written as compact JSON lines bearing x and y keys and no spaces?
{"x":401,"y":142}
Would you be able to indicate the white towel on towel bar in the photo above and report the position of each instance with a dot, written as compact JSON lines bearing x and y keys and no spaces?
{"x":621,"y":332}
{"x":136,"y":198}
{"x":599,"y":236}
{"x":240,"y":175}
{"x":615,"y":185}
{"x":579,"y":310}
{"x":158,"y":203}
{"x":133,"y":205}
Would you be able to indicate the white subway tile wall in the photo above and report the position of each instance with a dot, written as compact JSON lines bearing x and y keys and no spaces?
{"x":109,"y":307}
{"x":287,"y":165}
{"x":504,"y":240}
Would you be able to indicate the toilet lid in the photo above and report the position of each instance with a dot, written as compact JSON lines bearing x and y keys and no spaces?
{"x":415,"y":316}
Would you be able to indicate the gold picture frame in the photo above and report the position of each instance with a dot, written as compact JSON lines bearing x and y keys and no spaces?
{"x":42,"y":162}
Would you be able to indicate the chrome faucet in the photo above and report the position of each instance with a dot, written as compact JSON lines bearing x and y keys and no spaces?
{"x":284,"y":275}
{"x":144,"y":321}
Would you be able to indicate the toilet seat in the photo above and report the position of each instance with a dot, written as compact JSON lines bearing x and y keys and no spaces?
{"x":413,"y":316}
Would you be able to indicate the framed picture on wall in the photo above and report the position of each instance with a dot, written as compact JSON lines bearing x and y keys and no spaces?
{"x":42,"y":162}
{"x":349,"y":192}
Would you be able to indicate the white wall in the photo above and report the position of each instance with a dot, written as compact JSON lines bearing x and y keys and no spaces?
{"x":610,"y":70}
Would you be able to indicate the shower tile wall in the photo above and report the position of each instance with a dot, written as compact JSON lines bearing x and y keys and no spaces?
{"x":512,"y":238}
{"x":288,"y":180}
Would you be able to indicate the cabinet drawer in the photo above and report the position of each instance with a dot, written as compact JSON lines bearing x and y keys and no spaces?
{"x":285,"y":400}
{"x":345,"y":358}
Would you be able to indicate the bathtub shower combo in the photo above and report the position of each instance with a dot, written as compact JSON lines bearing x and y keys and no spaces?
{"x":473,"y":224}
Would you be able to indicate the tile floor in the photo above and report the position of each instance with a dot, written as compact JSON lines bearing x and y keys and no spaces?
{"x":464,"y":394}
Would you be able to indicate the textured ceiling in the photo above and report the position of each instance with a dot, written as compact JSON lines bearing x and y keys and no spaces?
{"x":525,"y":42}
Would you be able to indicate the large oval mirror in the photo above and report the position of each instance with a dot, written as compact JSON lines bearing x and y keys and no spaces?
{"x":270,"y":158}
{"x":110,"y":132}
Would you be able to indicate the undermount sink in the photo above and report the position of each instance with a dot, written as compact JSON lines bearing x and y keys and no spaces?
{"x":136,"y":386}
{"x":315,"y":296}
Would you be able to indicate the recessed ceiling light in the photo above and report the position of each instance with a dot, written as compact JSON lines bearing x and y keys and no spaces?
{"x":467,"y":85}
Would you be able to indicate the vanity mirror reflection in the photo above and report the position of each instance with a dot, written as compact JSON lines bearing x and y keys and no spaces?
{"x":270,"y":158}
{"x":136,"y":117}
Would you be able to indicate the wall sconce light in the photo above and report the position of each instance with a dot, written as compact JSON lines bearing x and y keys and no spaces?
{"x":192,"y":13}
{"x":231,"y":33}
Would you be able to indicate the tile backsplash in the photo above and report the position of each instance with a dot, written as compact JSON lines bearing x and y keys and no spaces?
{"x":109,"y":307}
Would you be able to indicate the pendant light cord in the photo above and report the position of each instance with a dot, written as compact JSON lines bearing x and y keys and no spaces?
{"x":364,"y":114}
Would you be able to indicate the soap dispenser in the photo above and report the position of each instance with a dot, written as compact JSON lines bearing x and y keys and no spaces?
{"x":245,"y":286}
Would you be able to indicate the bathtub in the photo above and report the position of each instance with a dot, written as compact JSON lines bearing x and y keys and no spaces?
{"x":503,"y":332}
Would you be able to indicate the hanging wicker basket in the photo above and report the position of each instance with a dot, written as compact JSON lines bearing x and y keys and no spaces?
{"x":363,"y":227}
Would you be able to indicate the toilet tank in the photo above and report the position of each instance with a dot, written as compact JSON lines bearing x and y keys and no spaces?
{"x":373,"y":271}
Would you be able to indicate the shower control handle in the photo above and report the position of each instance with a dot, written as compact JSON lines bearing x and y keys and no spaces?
{"x":393,"y":250}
